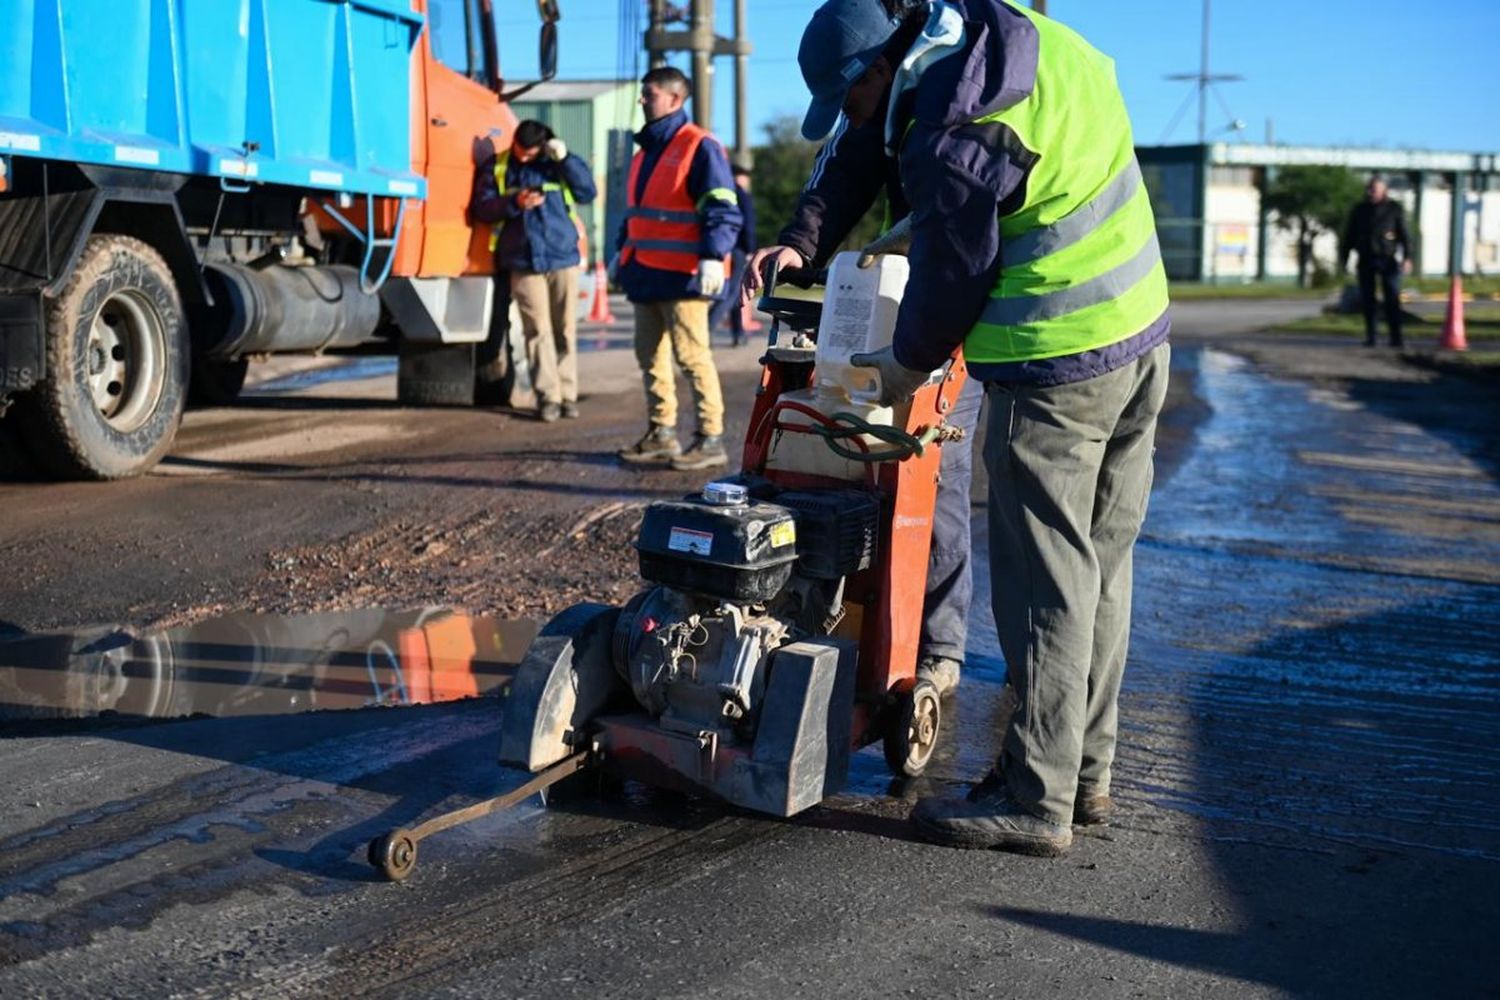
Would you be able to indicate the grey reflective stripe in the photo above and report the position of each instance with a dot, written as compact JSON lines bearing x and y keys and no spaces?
{"x":1110,"y":285}
{"x":660,"y":215}
{"x":675,"y":246}
{"x":1038,"y":243}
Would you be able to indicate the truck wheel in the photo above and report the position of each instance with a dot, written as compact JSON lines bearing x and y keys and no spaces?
{"x":435,"y":374}
{"x":117,"y":365}
{"x":217,"y":383}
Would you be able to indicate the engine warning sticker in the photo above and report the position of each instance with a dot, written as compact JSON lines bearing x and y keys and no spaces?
{"x":699,"y":543}
{"x":783,"y":534}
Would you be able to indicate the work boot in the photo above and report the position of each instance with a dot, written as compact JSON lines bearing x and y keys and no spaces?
{"x":706,"y":451}
{"x":657,"y":447}
{"x":548,"y":413}
{"x":570,"y":411}
{"x":942,"y":671}
{"x":1090,"y":808}
{"x":990,"y":820}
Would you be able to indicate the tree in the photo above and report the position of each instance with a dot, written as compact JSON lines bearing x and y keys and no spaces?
{"x":782,"y":167}
{"x":1308,"y":201}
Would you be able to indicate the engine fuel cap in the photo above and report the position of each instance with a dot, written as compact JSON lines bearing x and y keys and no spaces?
{"x":722,"y":494}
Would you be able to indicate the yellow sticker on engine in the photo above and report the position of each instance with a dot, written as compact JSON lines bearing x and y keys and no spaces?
{"x":784,"y":533}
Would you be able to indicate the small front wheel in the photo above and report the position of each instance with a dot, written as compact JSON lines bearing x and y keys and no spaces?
{"x":394,"y":854}
{"x":912,"y":734}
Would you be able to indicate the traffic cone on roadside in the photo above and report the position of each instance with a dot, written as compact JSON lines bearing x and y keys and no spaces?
{"x":1454,"y":338}
{"x":600,"y":312}
{"x":748,"y":322}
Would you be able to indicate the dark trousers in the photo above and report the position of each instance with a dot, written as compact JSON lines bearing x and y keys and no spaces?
{"x":1387,"y":272}
{"x":728,"y":305}
{"x":950,"y":581}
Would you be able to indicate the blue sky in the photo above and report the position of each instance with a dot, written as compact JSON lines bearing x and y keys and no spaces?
{"x":1392,"y":73}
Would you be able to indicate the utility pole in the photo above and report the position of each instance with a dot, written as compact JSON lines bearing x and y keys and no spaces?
{"x":703,"y":43}
{"x":1040,"y":6}
{"x":1203,"y":79}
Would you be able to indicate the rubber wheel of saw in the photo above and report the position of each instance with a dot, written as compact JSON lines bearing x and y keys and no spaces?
{"x":393,"y":854}
{"x":913,"y":733}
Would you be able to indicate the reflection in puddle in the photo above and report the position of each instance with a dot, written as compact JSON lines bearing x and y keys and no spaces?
{"x":261,"y":665}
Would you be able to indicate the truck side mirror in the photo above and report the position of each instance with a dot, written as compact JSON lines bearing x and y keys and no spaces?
{"x":547,"y":50}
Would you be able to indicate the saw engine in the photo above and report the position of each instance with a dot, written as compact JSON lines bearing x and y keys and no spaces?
{"x":735,"y":686}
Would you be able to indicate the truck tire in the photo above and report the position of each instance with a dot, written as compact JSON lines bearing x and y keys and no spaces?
{"x":435,"y":374}
{"x":217,"y":383}
{"x":117,"y":365}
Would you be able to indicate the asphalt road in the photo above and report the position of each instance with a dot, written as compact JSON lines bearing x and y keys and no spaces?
{"x":1310,"y":799}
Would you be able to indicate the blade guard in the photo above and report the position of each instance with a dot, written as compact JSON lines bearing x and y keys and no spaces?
{"x":566,"y":678}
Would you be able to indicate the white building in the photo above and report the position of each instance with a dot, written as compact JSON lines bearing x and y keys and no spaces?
{"x":1214,"y":229}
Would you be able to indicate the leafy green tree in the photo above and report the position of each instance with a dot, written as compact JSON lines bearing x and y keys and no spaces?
{"x":1309,"y":200}
{"x":782,"y":167}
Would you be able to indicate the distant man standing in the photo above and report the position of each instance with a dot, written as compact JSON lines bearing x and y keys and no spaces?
{"x":1377,"y":232}
{"x":682,"y":219}
{"x":529,"y":193}
{"x":728,"y":307}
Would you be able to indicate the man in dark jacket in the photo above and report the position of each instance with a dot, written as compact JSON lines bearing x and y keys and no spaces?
{"x":681,"y":223}
{"x":529,"y":193}
{"x":1377,"y":232}
{"x":729,"y":306}
{"x":1034,"y":247}
{"x":849,"y":173}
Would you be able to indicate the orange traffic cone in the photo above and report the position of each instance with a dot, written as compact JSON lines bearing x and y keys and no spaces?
{"x":748,"y":322}
{"x":600,"y":312}
{"x":1454,"y":338}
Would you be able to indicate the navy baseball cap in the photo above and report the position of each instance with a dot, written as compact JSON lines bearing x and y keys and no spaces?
{"x":842,"y":40}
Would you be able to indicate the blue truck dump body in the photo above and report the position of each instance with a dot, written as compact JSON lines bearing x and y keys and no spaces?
{"x":306,"y":93}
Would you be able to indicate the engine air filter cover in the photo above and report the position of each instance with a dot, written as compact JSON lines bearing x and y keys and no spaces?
{"x":741,"y":553}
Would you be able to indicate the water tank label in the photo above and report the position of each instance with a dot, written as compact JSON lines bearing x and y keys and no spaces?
{"x":332,"y":178}
{"x":699,"y":543}
{"x":848,"y":330}
{"x":403,"y":187}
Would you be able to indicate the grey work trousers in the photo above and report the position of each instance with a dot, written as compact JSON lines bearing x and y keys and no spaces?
{"x":1070,"y":472}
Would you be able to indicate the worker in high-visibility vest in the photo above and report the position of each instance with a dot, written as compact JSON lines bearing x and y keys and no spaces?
{"x":682,"y":219}
{"x":530,"y":193}
{"x":1033,"y":246}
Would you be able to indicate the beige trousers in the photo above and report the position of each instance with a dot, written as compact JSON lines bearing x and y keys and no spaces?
{"x":678,"y":328}
{"x":548,"y":304}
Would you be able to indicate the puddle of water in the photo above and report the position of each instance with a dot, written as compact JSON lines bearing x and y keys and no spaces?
{"x":251,"y":664}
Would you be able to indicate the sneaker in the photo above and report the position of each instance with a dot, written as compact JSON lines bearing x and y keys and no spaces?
{"x":570,"y":411}
{"x":548,"y":413}
{"x":942,"y":671}
{"x":657,"y":447}
{"x":990,"y":821}
{"x":706,"y":451}
{"x":1089,"y":808}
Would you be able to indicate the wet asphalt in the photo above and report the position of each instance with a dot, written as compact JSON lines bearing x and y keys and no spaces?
{"x":1309,"y":793}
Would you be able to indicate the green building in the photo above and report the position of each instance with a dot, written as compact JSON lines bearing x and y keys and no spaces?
{"x":597,"y":119}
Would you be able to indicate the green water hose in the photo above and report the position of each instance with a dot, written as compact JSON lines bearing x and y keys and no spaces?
{"x":849,"y":425}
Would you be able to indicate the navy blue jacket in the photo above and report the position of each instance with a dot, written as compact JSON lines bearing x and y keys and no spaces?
{"x":543,"y":238}
{"x":720,"y":218}
{"x":957,"y":179}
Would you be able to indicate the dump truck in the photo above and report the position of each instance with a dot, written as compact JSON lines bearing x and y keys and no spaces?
{"x":187,"y":186}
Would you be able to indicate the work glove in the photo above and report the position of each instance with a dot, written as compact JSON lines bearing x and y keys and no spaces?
{"x":897,"y":382}
{"x":897,"y":240}
{"x":556,"y":150}
{"x":710,"y":277}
